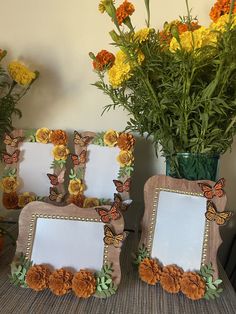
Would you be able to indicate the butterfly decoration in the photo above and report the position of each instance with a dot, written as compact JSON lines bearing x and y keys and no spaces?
{"x":122,"y":186}
{"x":81,"y":140}
{"x":55,"y":196}
{"x":219,"y":217}
{"x":11,"y":158}
{"x":108,"y":215}
{"x":79,"y":159}
{"x":210,"y":191}
{"x":12,"y":141}
{"x":123,"y":205}
{"x":113,"y":239}
{"x":56,"y":179}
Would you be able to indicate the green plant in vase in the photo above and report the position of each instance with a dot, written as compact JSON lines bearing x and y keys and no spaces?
{"x":178,"y":84}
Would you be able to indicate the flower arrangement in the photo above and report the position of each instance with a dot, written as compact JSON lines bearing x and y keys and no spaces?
{"x":178,"y":84}
{"x":14,"y":84}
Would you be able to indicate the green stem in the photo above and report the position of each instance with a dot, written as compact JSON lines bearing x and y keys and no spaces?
{"x":148,"y":12}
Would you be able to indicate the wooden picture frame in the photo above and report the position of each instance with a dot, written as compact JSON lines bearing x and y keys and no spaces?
{"x":102,"y":167}
{"x":186,"y":210}
{"x":35,"y":166}
{"x":32,"y":233}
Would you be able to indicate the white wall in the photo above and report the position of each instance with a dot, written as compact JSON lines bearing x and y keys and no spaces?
{"x":55,"y":37}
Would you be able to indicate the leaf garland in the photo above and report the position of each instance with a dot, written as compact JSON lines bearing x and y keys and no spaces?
{"x":125,"y":171}
{"x":18,"y":271}
{"x":58,"y":164}
{"x":105,"y":286}
{"x":78,"y":174}
{"x":9,"y":172}
{"x":99,"y":139}
{"x":141,"y":255}
{"x":212,"y":287}
{"x":30,"y":135}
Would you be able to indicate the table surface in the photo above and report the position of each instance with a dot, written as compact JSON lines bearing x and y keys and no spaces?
{"x":132,"y":297}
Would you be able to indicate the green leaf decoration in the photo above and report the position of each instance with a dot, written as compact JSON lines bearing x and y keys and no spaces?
{"x":105,"y":201}
{"x":141,"y":255}
{"x":212,"y":287}
{"x":78,"y":174}
{"x":39,"y":198}
{"x":19,"y":269}
{"x":105,"y":285}
{"x":98,"y":139}
{"x":125,"y":171}
{"x":58,"y":164}
{"x":30,"y":135}
{"x":9,"y":172}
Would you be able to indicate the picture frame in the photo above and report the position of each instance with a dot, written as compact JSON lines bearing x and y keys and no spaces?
{"x":34,"y":166}
{"x":96,"y":249}
{"x":103,"y":164}
{"x":180,"y":232}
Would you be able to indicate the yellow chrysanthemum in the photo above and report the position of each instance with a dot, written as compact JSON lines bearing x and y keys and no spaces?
{"x":221,"y":23}
{"x":120,"y":71}
{"x":42,"y":135}
{"x":110,"y":138}
{"x":125,"y":158}
{"x":60,"y":152}
{"x":76,"y":186}
{"x":142,"y":35}
{"x":20,"y":73}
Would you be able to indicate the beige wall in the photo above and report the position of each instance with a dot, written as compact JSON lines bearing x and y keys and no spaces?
{"x":55,"y":36}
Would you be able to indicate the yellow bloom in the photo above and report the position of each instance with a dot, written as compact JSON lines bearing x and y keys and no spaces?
{"x":91,"y":202}
{"x":60,"y":152}
{"x":76,"y":187}
{"x":142,"y":35}
{"x":20,"y":73}
{"x":9,"y":184}
{"x":42,"y":135}
{"x":104,"y":5}
{"x":125,"y":158}
{"x":120,"y":71}
{"x":25,"y":198}
{"x":110,"y":138}
{"x":221,"y":23}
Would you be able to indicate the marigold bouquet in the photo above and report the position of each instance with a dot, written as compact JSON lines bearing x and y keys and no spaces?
{"x":178,"y":84}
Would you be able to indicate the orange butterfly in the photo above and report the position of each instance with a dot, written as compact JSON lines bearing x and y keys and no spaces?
{"x":11,"y":159}
{"x":81,"y":159}
{"x":81,"y":140}
{"x":123,"y":205}
{"x":217,"y":190}
{"x":12,"y":141}
{"x":55,"y":196}
{"x":56,"y":179}
{"x":108,"y":215}
{"x":219,"y":217}
{"x":122,"y":187}
{"x":113,"y":239}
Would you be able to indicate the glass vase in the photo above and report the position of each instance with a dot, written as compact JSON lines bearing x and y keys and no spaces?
{"x":193,"y":166}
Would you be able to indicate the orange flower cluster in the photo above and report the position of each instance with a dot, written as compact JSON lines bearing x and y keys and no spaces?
{"x":170,"y":278}
{"x":60,"y":281}
{"x":37,"y":277}
{"x":125,"y":141}
{"x":58,"y":137}
{"x":10,"y":200}
{"x":103,"y":60}
{"x":84,"y":284}
{"x":221,"y":7}
{"x":149,"y":271}
{"x":184,"y":27}
{"x":123,"y":11}
{"x":77,"y":199}
{"x":193,"y":285}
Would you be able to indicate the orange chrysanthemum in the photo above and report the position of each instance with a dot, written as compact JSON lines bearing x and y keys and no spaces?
{"x":10,"y":200}
{"x":184,"y":27}
{"x":125,"y":141}
{"x":60,"y":281}
{"x":123,"y":11}
{"x":58,"y":137}
{"x":37,"y":277}
{"x":170,"y":278}
{"x":149,"y":271}
{"x":221,"y":7}
{"x":84,"y":284}
{"x":77,"y":199}
{"x":103,"y":60}
{"x":193,"y":285}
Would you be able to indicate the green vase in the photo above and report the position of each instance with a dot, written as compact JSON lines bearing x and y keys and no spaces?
{"x":193,"y":166}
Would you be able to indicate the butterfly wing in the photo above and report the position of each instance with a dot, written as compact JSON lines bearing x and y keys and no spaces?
{"x":119,"y":238}
{"x":15,"y":156}
{"x":55,"y":196}
{"x":7,"y":139}
{"x":223,"y":217}
{"x":75,"y":159}
{"x":211,"y":211}
{"x":11,"y":159}
{"x":207,"y":190}
{"x":53,"y":179}
{"x":103,"y":214}
{"x":218,"y":187}
{"x":119,"y":186}
{"x":113,"y":213}
{"x":82,"y":157}
{"x":80,"y":140}
{"x":117,"y":198}
{"x":60,"y":177}
{"x":12,"y":141}
{"x":109,"y":237}
{"x":126,"y":185}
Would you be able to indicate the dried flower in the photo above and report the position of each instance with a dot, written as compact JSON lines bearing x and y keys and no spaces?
{"x":77,"y":199}
{"x":37,"y":277}
{"x":110,"y":138}
{"x":42,"y":135}
{"x":149,"y":271}
{"x":60,"y":152}
{"x":60,"y":281}
{"x":125,"y":158}
{"x":193,"y":285}
{"x":125,"y":141}
{"x":20,"y":73}
{"x":170,"y":278}
{"x":9,"y":184}
{"x":84,"y":284}
{"x":103,"y":60}
{"x":10,"y":200}
{"x":58,"y":137}
{"x":123,"y":11}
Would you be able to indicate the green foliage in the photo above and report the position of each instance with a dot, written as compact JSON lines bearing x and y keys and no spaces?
{"x":58,"y":164}
{"x":79,"y":174}
{"x":105,"y":285}
{"x":125,"y":171}
{"x":30,"y":135}
{"x":9,"y":172}
{"x":98,"y":139}
{"x":141,"y":255}
{"x":19,"y":269}
{"x":212,"y":287}
{"x":104,"y":201}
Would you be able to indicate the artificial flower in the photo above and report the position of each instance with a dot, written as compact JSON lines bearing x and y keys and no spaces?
{"x":125,"y":158}
{"x":25,"y":198}
{"x":123,"y":11}
{"x":60,"y":152}
{"x":103,"y":60}
{"x":170,"y":278}
{"x":20,"y":73}
{"x":76,"y":186}
{"x":110,"y":138}
{"x":125,"y":141}
{"x":91,"y":202}
{"x":149,"y":271}
{"x":37,"y":277}
{"x":193,"y":285}
{"x":220,"y":8}
{"x":60,"y":281}
{"x":10,"y":200}
{"x":58,"y":137}
{"x":84,"y":284}
{"x":77,"y":199}
{"x":42,"y":135}
{"x":9,"y":184}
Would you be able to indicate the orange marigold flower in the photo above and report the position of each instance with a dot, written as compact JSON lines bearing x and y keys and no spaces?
{"x":10,"y":200}
{"x":125,"y":141}
{"x":193,"y":285}
{"x":37,"y":277}
{"x":123,"y":11}
{"x":58,"y":137}
{"x":221,"y":7}
{"x":103,"y":60}
{"x":60,"y":281}
{"x":170,"y":278}
{"x":84,"y":284}
{"x":149,"y":271}
{"x":184,"y":27}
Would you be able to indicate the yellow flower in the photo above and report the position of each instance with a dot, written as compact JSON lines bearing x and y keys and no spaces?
{"x":25,"y":198}
{"x":9,"y":184}
{"x":110,"y":138}
{"x":75,"y":186}
{"x":125,"y":158}
{"x":42,"y":135}
{"x":20,"y":73}
{"x":120,"y":71}
{"x":91,"y":202}
{"x":60,"y":152}
{"x":221,"y":23}
{"x":142,"y":35}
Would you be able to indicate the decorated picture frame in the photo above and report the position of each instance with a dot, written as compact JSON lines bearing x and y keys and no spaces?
{"x":84,"y":262}
{"x":103,"y":164}
{"x":34,"y":167}
{"x":180,"y":235}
